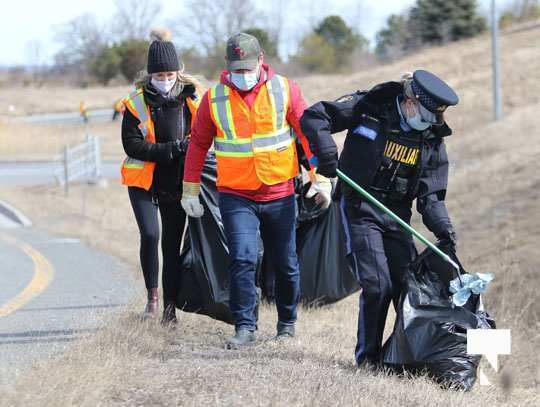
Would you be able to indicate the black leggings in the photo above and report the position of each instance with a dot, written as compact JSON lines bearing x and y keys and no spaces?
{"x":173,"y":219}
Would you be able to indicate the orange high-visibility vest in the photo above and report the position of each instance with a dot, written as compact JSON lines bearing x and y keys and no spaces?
{"x":137,"y":173}
{"x":257,"y":145}
{"x":119,"y":106}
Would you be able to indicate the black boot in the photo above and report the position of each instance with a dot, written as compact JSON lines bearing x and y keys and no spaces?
{"x":151,"y":308}
{"x":285,"y":331}
{"x":242,"y":337}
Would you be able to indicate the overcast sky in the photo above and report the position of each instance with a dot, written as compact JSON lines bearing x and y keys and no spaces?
{"x":33,"y":21}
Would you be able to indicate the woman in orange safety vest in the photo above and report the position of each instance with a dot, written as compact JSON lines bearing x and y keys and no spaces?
{"x":155,"y":132}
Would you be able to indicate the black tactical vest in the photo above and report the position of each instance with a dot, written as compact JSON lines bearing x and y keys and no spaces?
{"x":381,"y":157}
{"x":369,"y":158}
{"x":394,"y":178}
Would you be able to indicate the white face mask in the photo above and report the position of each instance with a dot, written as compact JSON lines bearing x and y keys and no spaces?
{"x":163,"y":87}
{"x":417,"y":122}
{"x":245,"y":81}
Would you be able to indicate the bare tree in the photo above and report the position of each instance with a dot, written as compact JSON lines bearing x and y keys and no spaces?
{"x":34,"y":53}
{"x":274,"y":16}
{"x":82,"y":39}
{"x":210,"y":22}
{"x":134,"y":18}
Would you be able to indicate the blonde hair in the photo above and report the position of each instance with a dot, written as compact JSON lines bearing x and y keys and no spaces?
{"x":406,"y":80}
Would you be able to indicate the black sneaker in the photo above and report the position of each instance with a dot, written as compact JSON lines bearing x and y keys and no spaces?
{"x":242,"y":337}
{"x":285,"y":331}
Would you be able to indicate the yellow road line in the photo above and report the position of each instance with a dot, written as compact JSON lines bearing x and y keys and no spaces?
{"x":43,"y":275}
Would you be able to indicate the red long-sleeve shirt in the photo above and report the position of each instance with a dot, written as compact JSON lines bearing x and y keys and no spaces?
{"x":204,"y":131}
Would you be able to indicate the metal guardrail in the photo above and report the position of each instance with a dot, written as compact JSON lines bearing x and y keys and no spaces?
{"x":82,"y":162}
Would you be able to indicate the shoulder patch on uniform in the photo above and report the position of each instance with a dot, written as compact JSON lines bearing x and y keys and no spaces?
{"x":345,"y":98}
{"x":362,"y":130}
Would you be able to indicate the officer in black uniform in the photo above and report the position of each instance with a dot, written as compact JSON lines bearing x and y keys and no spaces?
{"x":395,"y":149}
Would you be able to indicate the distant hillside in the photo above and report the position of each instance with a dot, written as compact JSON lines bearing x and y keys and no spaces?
{"x":466,"y":65}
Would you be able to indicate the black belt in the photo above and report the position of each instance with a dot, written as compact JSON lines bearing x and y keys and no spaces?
{"x":387,"y":199}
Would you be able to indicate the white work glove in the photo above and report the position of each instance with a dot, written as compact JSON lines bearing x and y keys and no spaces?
{"x":321,"y":189}
{"x":190,"y":199}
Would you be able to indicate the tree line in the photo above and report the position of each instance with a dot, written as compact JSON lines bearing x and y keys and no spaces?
{"x":95,"y":51}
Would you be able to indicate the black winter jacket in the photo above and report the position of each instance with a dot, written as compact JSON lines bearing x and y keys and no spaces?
{"x":361,"y":156}
{"x":172,"y":120}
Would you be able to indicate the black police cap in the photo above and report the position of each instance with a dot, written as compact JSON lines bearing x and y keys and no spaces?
{"x":432,"y":92}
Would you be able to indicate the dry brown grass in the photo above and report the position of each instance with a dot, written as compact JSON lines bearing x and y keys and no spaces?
{"x":466,"y":66}
{"x":493,"y":200}
{"x":51,"y":99}
{"x":494,"y":192}
{"x":130,"y":363}
{"x":28,"y":142}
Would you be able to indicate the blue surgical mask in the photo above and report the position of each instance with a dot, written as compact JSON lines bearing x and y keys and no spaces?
{"x":427,"y":116}
{"x":417,"y":122}
{"x":245,"y":81}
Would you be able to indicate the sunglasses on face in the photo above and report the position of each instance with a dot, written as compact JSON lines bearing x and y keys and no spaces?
{"x":430,"y":117}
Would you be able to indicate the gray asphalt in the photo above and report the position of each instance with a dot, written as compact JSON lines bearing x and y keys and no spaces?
{"x":85,"y":284}
{"x":40,"y":173}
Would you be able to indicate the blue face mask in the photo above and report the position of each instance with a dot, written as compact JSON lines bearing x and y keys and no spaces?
{"x":245,"y":81}
{"x":417,"y":121}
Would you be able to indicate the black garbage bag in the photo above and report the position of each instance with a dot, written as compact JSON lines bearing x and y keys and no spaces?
{"x":325,"y":274}
{"x":204,"y":284}
{"x":204,"y":281}
{"x":430,"y":332}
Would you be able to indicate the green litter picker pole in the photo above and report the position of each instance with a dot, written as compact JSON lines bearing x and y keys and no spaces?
{"x":402,"y":223}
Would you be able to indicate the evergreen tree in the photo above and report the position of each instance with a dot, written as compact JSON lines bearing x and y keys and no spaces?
{"x":429,"y":22}
{"x":440,"y":21}
{"x":342,"y":38}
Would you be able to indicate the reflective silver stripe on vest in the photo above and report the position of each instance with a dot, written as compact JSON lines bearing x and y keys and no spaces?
{"x":140,"y":107}
{"x":259,"y":143}
{"x":221,"y":146}
{"x":265,"y":141}
{"x":137,"y":98}
{"x":278,"y":97}
{"x":221,"y":101}
{"x":133,"y":163}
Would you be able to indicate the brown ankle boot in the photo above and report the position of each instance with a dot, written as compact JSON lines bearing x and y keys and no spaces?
{"x":169,"y":314}
{"x":151,"y":309}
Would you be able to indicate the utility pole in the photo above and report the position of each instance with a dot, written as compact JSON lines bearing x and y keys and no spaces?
{"x":497,"y":98}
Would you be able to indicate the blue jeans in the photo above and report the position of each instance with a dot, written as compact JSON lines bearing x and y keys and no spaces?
{"x":243,"y":219}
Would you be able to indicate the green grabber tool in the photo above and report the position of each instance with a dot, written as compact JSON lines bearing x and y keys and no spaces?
{"x":403,"y":224}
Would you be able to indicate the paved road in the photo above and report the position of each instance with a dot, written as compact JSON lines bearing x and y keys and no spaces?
{"x":38,"y":173}
{"x":65,"y":118}
{"x":53,"y":291}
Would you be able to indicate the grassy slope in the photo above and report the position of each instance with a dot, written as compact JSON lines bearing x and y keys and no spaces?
{"x":493,"y":199}
{"x":52,"y":99}
{"x":25,"y":142}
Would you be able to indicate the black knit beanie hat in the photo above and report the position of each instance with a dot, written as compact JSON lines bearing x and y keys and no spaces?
{"x":162,"y":57}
